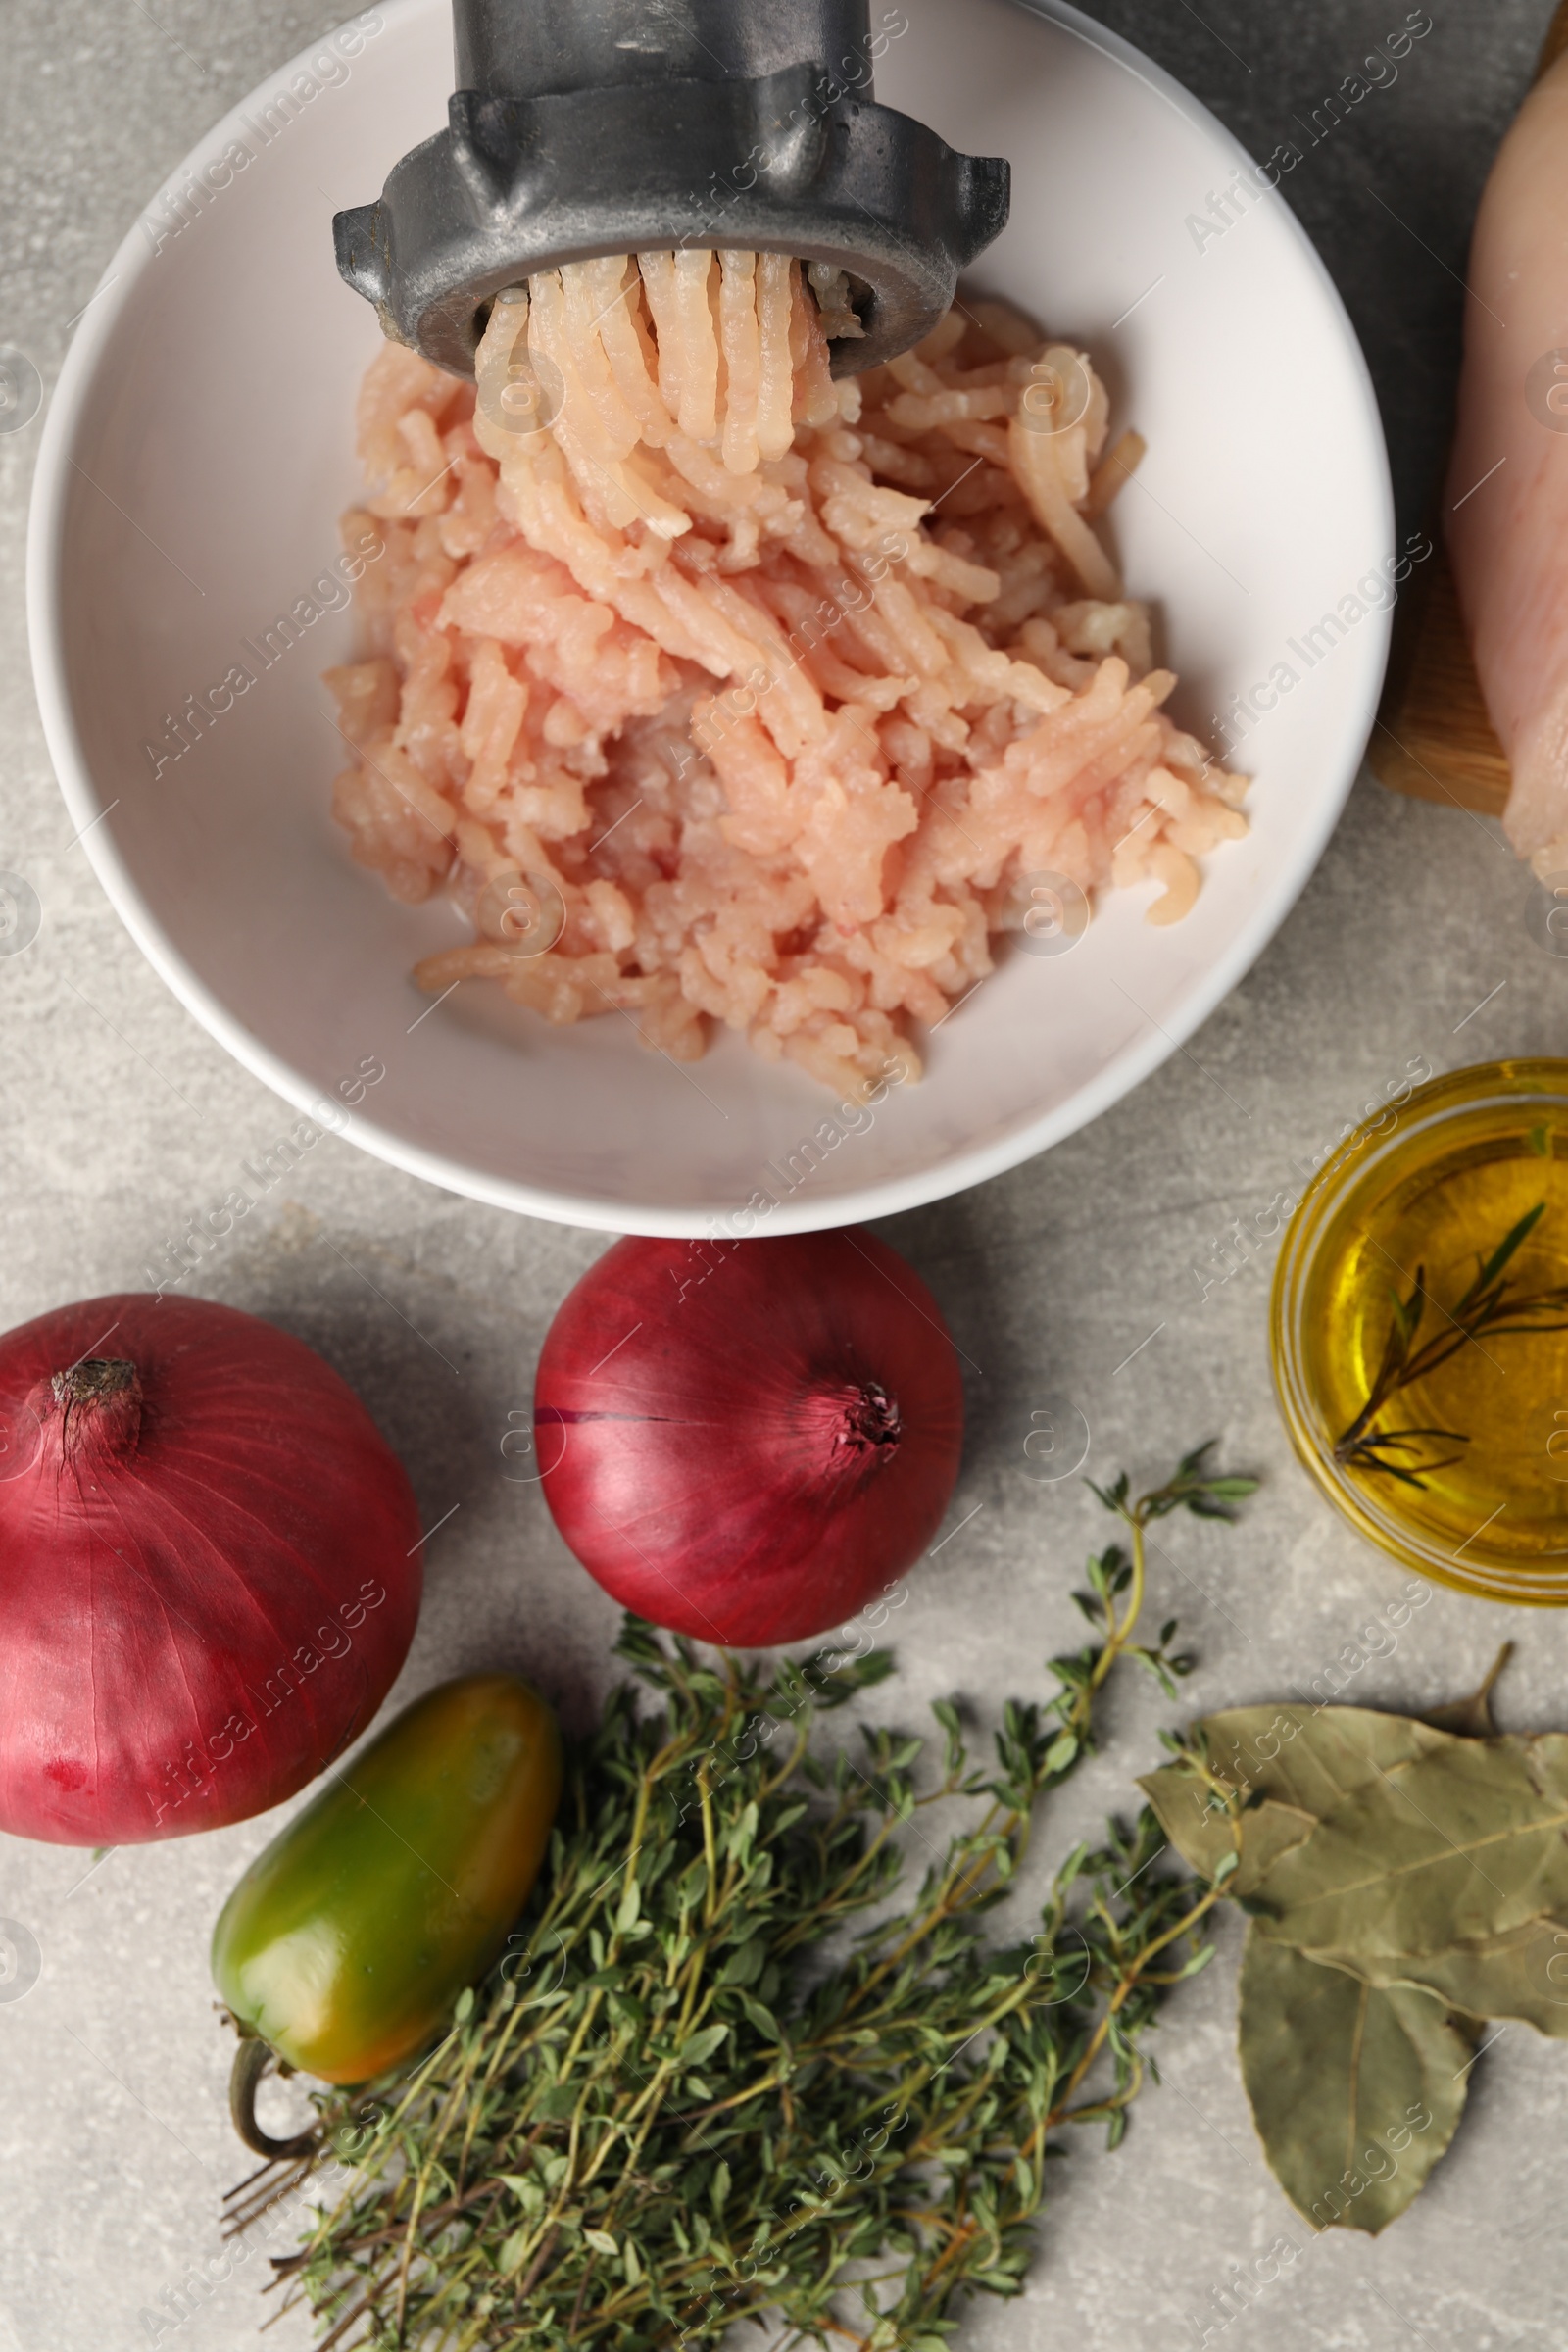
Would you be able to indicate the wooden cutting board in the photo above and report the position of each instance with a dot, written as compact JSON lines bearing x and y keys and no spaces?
{"x":1433,"y":737}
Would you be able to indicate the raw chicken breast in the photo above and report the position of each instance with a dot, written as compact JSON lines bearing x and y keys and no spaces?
{"x":1507,"y":503}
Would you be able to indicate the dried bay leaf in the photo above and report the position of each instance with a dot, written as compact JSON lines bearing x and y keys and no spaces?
{"x":1201,"y":1830}
{"x":1405,"y":1879}
{"x":1312,"y":1757}
{"x":1461,"y":1845}
{"x":1356,"y":2089}
{"x":1523,"y":1975}
{"x":1303,"y":1761}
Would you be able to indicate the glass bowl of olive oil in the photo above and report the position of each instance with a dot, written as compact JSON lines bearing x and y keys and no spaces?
{"x":1420,"y":1331}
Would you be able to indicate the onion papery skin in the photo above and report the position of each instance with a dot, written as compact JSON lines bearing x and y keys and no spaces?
{"x":209,"y":1576}
{"x":747,"y":1442}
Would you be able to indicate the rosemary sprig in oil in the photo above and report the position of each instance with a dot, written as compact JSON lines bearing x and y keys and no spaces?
{"x":1490,"y":1308}
{"x":702,"y":2089}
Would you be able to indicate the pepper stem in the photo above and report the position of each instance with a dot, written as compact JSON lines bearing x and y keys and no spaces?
{"x":251,"y":2061}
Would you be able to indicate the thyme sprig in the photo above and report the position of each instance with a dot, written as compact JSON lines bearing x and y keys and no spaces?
{"x":699,"y":2089}
{"x":1491,"y":1306}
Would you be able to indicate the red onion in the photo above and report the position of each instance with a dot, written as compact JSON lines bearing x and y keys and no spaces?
{"x":748,"y":1441}
{"x":212,"y":1569}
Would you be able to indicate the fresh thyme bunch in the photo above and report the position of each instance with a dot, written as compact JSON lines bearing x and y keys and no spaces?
{"x":687,"y":2097}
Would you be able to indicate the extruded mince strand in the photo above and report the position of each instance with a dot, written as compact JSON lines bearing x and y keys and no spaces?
{"x":719,"y":694}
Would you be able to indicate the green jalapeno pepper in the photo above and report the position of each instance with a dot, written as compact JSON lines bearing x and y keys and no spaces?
{"x":345,"y":1945}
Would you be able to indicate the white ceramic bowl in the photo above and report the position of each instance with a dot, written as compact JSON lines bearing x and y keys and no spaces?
{"x":199,"y":450}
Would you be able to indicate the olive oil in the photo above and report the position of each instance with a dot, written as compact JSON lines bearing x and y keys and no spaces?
{"x":1421,"y":1330}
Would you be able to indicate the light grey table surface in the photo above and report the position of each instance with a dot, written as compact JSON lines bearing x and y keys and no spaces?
{"x":119,"y":1117}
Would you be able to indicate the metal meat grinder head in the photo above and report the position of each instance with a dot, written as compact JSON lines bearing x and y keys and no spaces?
{"x":583,"y":128}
